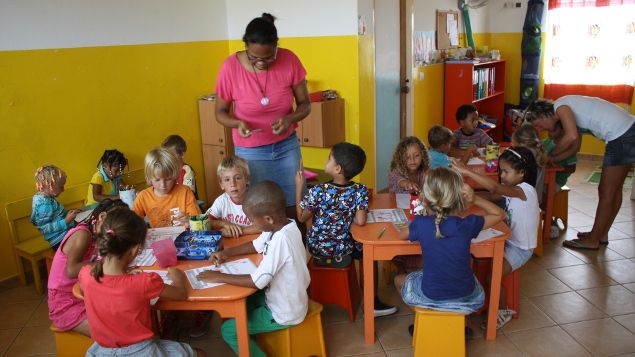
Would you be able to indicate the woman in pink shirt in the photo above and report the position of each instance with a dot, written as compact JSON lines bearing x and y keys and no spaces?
{"x":262,"y":82}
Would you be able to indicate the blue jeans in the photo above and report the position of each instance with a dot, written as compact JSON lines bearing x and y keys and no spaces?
{"x":413,"y":295}
{"x":277,"y":162}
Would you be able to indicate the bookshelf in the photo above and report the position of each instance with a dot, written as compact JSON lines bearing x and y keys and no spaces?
{"x":481,"y":84}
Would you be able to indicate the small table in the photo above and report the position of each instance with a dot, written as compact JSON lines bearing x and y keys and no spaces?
{"x":228,"y":300}
{"x":390,"y":245}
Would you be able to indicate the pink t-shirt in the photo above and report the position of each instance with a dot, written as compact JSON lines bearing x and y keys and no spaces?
{"x":245,"y":89}
{"x":118,"y":308}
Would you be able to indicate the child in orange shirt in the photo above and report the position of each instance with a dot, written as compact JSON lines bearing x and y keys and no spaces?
{"x":165,"y":203}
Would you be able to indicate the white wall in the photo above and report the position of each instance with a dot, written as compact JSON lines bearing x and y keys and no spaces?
{"x":39,"y":24}
{"x":295,"y":18}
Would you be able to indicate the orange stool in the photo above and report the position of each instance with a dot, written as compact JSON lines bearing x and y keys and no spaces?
{"x":482,"y":269}
{"x":303,"y":339}
{"x":438,"y":333}
{"x":71,"y":343}
{"x":561,"y":205}
{"x":335,"y":286}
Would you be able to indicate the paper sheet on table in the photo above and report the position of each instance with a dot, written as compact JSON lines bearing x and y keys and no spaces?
{"x":162,"y":273}
{"x":156,"y":234}
{"x":238,"y":267}
{"x":395,"y":215}
{"x":486,"y":234}
{"x":197,"y":284}
{"x":403,"y":200}
{"x":475,"y":161}
{"x":145,"y":258}
{"x":83,"y":215}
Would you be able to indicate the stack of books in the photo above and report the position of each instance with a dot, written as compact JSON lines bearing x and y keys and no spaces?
{"x":483,"y":80}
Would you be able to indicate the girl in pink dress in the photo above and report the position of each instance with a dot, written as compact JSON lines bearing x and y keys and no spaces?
{"x":78,"y":248}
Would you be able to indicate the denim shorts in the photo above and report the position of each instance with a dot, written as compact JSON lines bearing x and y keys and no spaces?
{"x":147,"y":348}
{"x":621,"y":151}
{"x":517,"y":257}
{"x":413,"y":295}
{"x":277,"y":162}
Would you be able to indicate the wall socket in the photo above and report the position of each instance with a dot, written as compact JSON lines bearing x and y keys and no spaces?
{"x":512,"y":5}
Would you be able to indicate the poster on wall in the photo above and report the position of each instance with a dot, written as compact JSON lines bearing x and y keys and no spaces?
{"x":423,"y":47}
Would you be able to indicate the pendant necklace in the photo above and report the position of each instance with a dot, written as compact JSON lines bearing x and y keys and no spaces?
{"x":265,"y":100}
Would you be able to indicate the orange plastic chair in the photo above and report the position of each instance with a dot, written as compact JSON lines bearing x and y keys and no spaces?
{"x":335,"y":286}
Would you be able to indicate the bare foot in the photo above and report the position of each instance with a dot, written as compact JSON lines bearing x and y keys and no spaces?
{"x":585,"y":235}
{"x":580,"y":244}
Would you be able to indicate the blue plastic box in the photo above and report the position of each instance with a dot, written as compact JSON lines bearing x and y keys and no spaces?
{"x":197,"y":245}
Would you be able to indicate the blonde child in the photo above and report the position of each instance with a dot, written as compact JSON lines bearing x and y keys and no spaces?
{"x":187,"y":177}
{"x":334,"y":206}
{"x":78,"y":248}
{"x":469,"y":135}
{"x":227,"y":212}
{"x":164,"y":203}
{"x":517,"y":179}
{"x":446,"y":282}
{"x":282,"y":275}
{"x":48,"y":215}
{"x":408,"y":166}
{"x":527,"y":136}
{"x":117,"y":302}
{"x":108,"y":179}
{"x":440,"y":139}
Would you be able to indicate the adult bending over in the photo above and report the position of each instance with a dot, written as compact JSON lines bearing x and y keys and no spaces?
{"x":261,"y":83}
{"x":606,"y":121}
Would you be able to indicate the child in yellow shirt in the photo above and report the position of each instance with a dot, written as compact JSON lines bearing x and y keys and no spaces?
{"x":164,"y":203}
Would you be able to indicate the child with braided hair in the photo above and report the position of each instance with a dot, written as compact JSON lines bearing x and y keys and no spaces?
{"x":77,"y":249}
{"x":118,"y":301}
{"x":446,"y":282}
{"x":108,"y":179}
{"x":527,"y":136}
{"x":48,"y":215}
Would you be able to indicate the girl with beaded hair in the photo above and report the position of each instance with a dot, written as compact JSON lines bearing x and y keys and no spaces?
{"x":48,"y":215}
{"x":108,"y":179}
{"x":446,"y":281}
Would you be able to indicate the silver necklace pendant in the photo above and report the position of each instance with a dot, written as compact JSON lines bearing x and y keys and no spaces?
{"x":264,"y":101}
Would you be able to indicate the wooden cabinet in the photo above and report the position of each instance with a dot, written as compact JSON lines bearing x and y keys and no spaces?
{"x":324,"y":127}
{"x":217,"y":143}
{"x":480,"y":84}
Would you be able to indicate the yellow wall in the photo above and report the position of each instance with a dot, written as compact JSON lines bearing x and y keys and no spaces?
{"x":427,"y":99}
{"x":65,"y":106}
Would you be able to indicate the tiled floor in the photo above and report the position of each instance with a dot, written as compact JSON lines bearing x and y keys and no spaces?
{"x":573,"y":303}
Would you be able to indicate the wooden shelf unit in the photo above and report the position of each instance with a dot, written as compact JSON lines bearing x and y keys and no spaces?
{"x":460,"y":88}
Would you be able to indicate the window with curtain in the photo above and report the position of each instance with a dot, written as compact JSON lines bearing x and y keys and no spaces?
{"x":590,"y":49}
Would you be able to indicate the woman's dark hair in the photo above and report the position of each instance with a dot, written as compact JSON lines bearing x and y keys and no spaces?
{"x":262,"y":31}
{"x":522,"y":160}
{"x":539,"y":108}
{"x":106,"y":205}
{"x":122,"y":229}
{"x":113,"y":157}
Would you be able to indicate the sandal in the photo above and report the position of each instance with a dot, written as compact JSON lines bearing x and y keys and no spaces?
{"x":504,"y":316}
{"x":575,"y":244}
{"x":584,"y":235}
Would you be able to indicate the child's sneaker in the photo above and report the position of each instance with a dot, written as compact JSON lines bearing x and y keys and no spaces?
{"x":382,"y":309}
{"x":201,"y":323}
{"x":504,"y":316}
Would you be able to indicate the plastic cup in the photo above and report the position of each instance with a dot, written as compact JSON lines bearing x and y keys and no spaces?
{"x":128,"y":196}
{"x":165,"y":251}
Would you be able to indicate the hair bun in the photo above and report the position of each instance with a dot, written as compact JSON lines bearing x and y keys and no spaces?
{"x":267,"y":16}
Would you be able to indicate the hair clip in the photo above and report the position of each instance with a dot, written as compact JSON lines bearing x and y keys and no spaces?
{"x":515,"y":153}
{"x":112,"y":232}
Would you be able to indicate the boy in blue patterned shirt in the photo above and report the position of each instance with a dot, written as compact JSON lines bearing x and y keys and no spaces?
{"x":48,"y":215}
{"x":334,"y":206}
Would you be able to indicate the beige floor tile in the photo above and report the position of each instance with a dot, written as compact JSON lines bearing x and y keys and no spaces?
{"x":212,"y":345}
{"x":624,"y":247}
{"x":579,"y":219}
{"x":614,"y":233}
{"x":375,"y":354}
{"x":393,"y":332}
{"x":17,"y":315}
{"x":626,"y":227}
{"x":555,"y":257}
{"x":529,"y":317}
{"x":548,"y":341}
{"x":24,"y":344}
{"x":502,"y":347}
{"x":581,"y":277}
{"x":347,"y":339}
{"x":540,"y":283}
{"x":622,"y":271}
{"x":603,"y":337}
{"x":627,"y":321}
{"x":592,"y":256}
{"x":630,"y":287}
{"x":335,"y":314}
{"x":403,"y":352}
{"x":6,"y":338}
{"x":567,"y":307}
{"x":612,"y":300}
{"x":41,"y":316}
{"x":20,"y":294}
